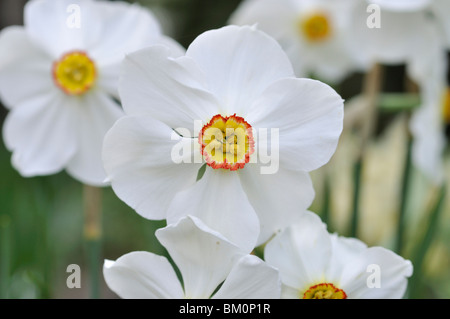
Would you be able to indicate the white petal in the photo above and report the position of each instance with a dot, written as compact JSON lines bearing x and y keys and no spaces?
{"x":251,"y":278}
{"x":96,"y":115}
{"x":309,"y":115}
{"x":275,"y":206}
{"x":401,"y":5}
{"x":41,"y":134}
{"x":393,"y":271}
{"x":203,"y":256}
{"x":441,"y":8}
{"x":219,"y":200}
{"x":239,"y":63}
{"x":137,"y":156}
{"x":395,"y":41}
{"x":25,"y":70}
{"x":141,"y":275}
{"x":301,"y":252}
{"x":345,"y":250}
{"x":55,"y":27}
{"x":429,"y":141}
{"x":171,"y":90}
{"x":276,"y":18}
{"x":176,"y":49}
{"x":133,"y":26}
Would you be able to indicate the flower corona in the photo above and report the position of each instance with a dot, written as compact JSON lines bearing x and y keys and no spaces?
{"x":324,"y":291}
{"x":74,"y":73}
{"x":227,"y":142}
{"x":315,"y":27}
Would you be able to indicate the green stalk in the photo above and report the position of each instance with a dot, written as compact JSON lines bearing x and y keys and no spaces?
{"x":404,"y":198}
{"x":92,"y":197}
{"x":5,"y":255}
{"x":326,"y":202}
{"x":356,"y":196}
{"x":425,"y":243}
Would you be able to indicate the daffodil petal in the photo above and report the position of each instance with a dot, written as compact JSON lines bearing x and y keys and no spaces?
{"x":96,"y":114}
{"x":309,"y":116}
{"x":203,"y":256}
{"x":250,"y":278}
{"x":142,"y":275}
{"x":301,"y":252}
{"x":143,"y":172}
{"x":24,"y":68}
{"x":169,"y":89}
{"x":275,"y":206}
{"x":41,"y":135}
{"x":239,"y":63}
{"x":219,"y":200}
{"x":392,"y":269}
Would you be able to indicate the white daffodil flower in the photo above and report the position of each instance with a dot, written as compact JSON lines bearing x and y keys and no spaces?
{"x":58,"y":77}
{"x":317,"y":35}
{"x":314,"y":264}
{"x":205,"y":260}
{"x":428,"y":124}
{"x":405,"y":32}
{"x":238,"y":84}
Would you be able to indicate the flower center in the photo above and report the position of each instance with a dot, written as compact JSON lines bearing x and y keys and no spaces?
{"x":324,"y":291}
{"x":226,"y":142}
{"x":74,"y":73}
{"x":315,"y":27}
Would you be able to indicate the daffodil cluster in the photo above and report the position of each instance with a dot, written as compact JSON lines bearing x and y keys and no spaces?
{"x":218,"y":140}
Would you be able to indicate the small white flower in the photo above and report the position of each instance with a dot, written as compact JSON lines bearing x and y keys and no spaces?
{"x":58,"y":77}
{"x":234,"y":77}
{"x":205,"y":260}
{"x":317,"y":35}
{"x":314,"y":264}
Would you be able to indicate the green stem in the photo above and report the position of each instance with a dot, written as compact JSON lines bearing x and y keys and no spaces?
{"x":326,"y":202}
{"x":425,"y":244}
{"x":92,"y":197}
{"x":404,"y":198}
{"x":356,"y":196}
{"x":5,"y":255}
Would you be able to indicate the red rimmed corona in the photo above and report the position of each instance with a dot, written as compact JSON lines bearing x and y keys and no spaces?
{"x":227,"y":142}
{"x":75,"y":73}
{"x":324,"y":291}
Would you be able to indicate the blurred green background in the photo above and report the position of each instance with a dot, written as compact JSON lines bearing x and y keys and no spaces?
{"x":41,"y":218}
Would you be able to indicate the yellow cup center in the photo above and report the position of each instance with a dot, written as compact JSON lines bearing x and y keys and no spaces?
{"x":324,"y":291}
{"x":315,"y":27}
{"x":74,"y":73}
{"x":226,"y":142}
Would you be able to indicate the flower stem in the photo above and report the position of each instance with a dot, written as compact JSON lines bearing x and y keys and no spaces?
{"x":371,"y":93}
{"x":404,"y":198}
{"x":426,"y":242}
{"x":92,"y":197}
{"x":5,"y":255}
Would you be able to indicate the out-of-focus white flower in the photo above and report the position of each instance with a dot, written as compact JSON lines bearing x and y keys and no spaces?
{"x":314,"y":264}
{"x":428,"y":125}
{"x":407,"y":32}
{"x":231,"y":78}
{"x":205,"y":260}
{"x":59,"y":77}
{"x":317,"y":35}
